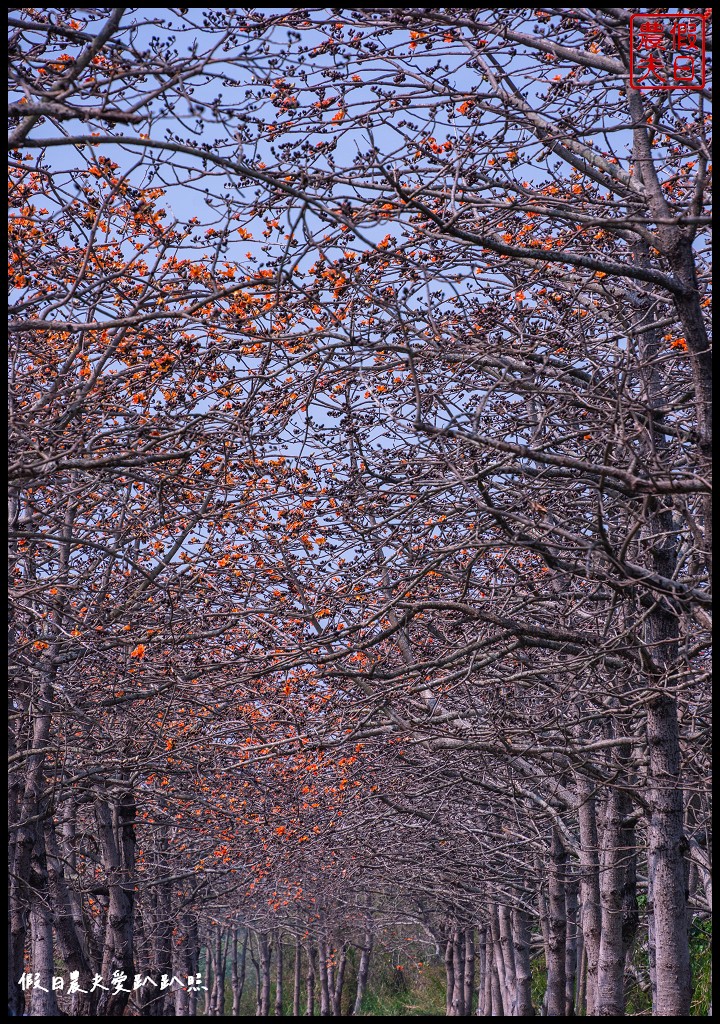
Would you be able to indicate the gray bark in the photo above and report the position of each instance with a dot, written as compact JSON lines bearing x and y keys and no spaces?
{"x":481,"y":953}
{"x":581,"y":987}
{"x":42,"y":961}
{"x":363,"y":971}
{"x":25,"y":839}
{"x":666,"y":840}
{"x":324,"y":980}
{"x":571,"y":941}
{"x":557,"y":925}
{"x":507,"y":947}
{"x":505,"y":993}
{"x":469,"y":971}
{"x":223,"y":947}
{"x":338,"y":982}
{"x":265,"y":954}
{"x":310,"y":981}
{"x":278,"y":976}
{"x":590,"y":918}
{"x":117,"y":841}
{"x":192,"y":958}
{"x":182,"y":967}
{"x":523,"y":973}
{"x":489,"y":970}
{"x":237,"y":970}
{"x":297,"y":974}
{"x":457,"y":1006}
{"x":70,"y":933}
{"x":496,"y":999}
{"x":666,"y":849}
{"x":449,"y":976}
{"x":611,"y":959}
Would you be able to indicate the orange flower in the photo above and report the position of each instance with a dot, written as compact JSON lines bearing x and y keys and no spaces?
{"x":139,"y":651}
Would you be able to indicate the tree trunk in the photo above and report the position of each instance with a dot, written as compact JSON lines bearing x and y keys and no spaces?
{"x":590,"y":918}
{"x":496,"y":999}
{"x":212,"y":960}
{"x":69,"y":936}
{"x":237,"y":971}
{"x":542,"y":904}
{"x":523,"y":972}
{"x":324,"y":981}
{"x":651,"y":941}
{"x":557,"y":925}
{"x":193,"y":959}
{"x":182,"y":967}
{"x":700,"y":351}
{"x":223,"y":950}
{"x":310,"y":981}
{"x":469,"y":971}
{"x":666,"y":849}
{"x":363,"y":972}
{"x":42,"y":959}
{"x":265,"y":954}
{"x":581,"y":985}
{"x":210,"y":979}
{"x":279,"y":976}
{"x":162,"y":932}
{"x":489,"y":975}
{"x":611,"y":960}
{"x":458,"y":993}
{"x":258,"y":985}
{"x":481,"y":958}
{"x":449,"y":976}
{"x":117,"y":841}
{"x":505,"y":995}
{"x":508,"y":956}
{"x":24,"y":809}
{"x":297,"y":974}
{"x":337,"y":990}
{"x":571,"y":941}
{"x":631,"y":911}
{"x":667,"y":844}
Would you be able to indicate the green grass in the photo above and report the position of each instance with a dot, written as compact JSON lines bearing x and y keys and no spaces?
{"x":701,"y":960}
{"x":412,"y":992}
{"x":538,"y":980}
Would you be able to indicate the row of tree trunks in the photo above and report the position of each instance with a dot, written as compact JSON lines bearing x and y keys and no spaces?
{"x":587,"y":917}
{"x":586,"y":946}
{"x":503,"y":965}
{"x":54,"y":918}
{"x":325,"y":973}
{"x":332,"y":978}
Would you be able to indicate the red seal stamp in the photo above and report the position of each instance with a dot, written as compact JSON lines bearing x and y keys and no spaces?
{"x":667,"y":51}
